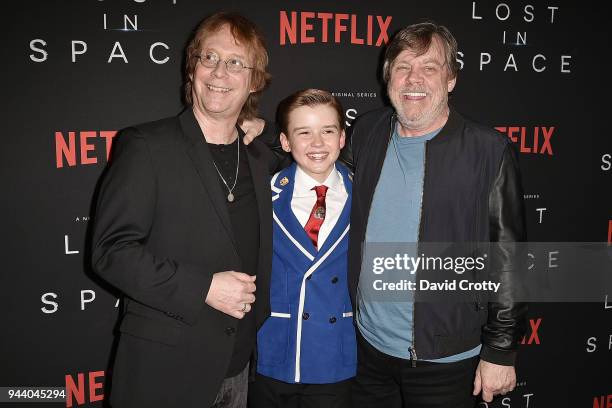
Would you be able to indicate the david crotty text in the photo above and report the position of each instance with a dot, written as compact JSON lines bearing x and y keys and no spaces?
{"x":425,"y":285}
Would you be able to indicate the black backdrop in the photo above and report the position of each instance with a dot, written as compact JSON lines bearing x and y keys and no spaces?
{"x":74,"y":72}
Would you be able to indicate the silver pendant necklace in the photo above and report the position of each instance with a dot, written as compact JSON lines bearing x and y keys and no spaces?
{"x":230,"y":195}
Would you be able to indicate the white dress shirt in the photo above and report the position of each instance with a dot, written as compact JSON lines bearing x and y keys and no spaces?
{"x":304,"y":198}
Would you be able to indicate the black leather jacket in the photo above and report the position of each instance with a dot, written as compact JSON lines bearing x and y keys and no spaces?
{"x":471,"y":193}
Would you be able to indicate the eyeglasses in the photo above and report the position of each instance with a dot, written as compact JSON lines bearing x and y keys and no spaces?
{"x":211,"y":60}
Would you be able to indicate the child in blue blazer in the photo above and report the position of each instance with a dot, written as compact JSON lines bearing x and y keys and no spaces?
{"x":306,"y":350}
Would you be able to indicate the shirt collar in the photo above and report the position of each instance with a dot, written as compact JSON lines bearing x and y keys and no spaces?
{"x":304,"y":183}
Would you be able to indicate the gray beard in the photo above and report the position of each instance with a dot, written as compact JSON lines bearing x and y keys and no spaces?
{"x":421,"y":120}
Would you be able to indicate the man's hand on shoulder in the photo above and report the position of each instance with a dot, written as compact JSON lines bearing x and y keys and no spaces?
{"x":252,"y":128}
{"x":493,"y":379}
{"x":232,"y":293}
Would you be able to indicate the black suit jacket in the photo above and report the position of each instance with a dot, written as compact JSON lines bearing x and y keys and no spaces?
{"x":162,"y":229}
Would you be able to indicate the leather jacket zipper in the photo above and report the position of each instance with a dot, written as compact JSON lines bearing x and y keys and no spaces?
{"x":412,"y":349}
{"x":413,"y":354}
{"x":391,"y":121}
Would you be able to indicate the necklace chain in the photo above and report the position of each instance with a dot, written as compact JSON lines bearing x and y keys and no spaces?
{"x":230,"y":195}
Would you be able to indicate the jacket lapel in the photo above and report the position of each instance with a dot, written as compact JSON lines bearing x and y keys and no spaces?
{"x":285,"y":215}
{"x":260,"y":174}
{"x":343,"y":221}
{"x":200,"y":155}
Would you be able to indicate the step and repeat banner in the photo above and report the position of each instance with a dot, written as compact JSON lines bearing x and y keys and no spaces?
{"x":76,"y":72}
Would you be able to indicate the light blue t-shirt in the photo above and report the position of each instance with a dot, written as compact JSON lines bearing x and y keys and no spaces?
{"x":385,"y":319}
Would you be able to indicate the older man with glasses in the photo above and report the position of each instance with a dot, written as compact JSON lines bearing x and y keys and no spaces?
{"x":183,"y":228}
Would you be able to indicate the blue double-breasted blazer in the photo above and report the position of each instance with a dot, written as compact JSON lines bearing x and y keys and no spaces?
{"x":309,"y":336}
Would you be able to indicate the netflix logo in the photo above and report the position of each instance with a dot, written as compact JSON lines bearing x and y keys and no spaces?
{"x":80,"y":148}
{"x":610,"y":232}
{"x":84,"y":388}
{"x":532,"y":336}
{"x":603,"y":401}
{"x":535,"y":140}
{"x":308,"y":27}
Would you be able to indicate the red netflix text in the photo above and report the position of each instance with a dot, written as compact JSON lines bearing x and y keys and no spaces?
{"x":534,"y":140}
{"x":534,"y":337}
{"x":604,"y":401}
{"x":308,"y":27}
{"x":67,"y":152}
{"x":92,"y":382}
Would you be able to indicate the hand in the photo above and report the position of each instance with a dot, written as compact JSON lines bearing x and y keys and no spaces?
{"x":232,"y":293}
{"x":252,"y":128}
{"x":493,"y":379}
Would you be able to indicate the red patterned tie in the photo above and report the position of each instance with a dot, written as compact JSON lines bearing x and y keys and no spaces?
{"x":317,"y":215}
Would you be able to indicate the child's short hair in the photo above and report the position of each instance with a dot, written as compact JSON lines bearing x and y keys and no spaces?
{"x":307,"y":97}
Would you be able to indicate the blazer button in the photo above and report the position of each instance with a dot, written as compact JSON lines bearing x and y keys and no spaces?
{"x":305,"y":316}
{"x":230,"y":331}
{"x":335,"y":279}
{"x":332,"y":319}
